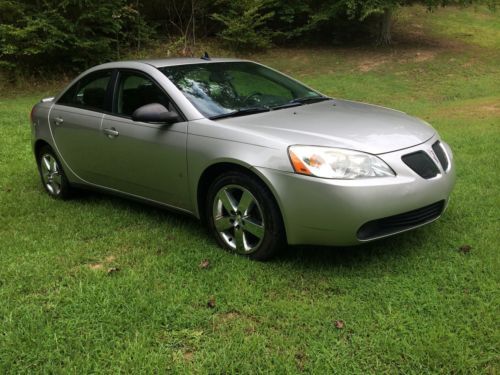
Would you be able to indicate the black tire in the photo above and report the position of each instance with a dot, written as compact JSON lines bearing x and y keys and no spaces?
{"x":52,"y":175}
{"x":261,"y":216}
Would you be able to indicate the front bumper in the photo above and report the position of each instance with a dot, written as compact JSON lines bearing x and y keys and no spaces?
{"x":320,"y":211}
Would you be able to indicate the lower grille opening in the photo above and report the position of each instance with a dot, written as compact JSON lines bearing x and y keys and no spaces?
{"x":397,"y":223}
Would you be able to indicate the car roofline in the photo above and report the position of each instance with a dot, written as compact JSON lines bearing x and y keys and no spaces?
{"x":161,"y":63}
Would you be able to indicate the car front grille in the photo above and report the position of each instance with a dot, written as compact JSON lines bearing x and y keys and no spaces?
{"x":421,"y":163}
{"x":438,"y":150}
{"x":397,"y":223}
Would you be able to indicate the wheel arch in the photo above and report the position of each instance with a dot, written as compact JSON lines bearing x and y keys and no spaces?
{"x":213,"y":171}
{"x":39,"y":143}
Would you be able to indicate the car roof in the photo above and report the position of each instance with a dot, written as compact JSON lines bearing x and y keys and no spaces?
{"x":160,"y":63}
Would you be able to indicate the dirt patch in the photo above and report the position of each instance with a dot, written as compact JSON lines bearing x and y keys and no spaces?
{"x":188,"y":355}
{"x":376,"y":60}
{"x":472,"y":109}
{"x":225,"y":317}
{"x":235,"y":318}
{"x":301,"y":360}
{"x":95,"y":266}
{"x":371,"y":64}
{"x":494,"y":108}
{"x":182,"y":356}
{"x":424,"y":56}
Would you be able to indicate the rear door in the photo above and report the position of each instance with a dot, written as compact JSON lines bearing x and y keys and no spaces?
{"x":143,"y":159}
{"x":75,"y":122}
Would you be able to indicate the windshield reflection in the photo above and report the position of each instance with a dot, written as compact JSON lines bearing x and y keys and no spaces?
{"x":222,"y":88}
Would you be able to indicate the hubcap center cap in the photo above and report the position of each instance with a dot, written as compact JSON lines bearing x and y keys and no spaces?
{"x":237,"y":220}
{"x":52,"y":175}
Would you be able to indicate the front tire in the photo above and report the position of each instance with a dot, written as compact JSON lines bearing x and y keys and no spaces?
{"x":243,"y":216}
{"x":52,"y":174}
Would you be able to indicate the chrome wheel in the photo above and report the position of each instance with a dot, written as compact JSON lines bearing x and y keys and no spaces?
{"x":51,"y":174}
{"x":238,"y":219}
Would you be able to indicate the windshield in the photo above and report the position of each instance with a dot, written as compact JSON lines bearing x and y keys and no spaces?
{"x":237,"y":88}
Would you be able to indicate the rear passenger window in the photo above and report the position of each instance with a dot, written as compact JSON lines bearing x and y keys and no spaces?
{"x":136,"y":90}
{"x":89,"y":92}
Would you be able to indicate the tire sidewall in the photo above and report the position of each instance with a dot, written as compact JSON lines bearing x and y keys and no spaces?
{"x":273,"y":239}
{"x":65,"y":187}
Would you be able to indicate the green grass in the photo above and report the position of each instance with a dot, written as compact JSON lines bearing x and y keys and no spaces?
{"x":411,"y":303}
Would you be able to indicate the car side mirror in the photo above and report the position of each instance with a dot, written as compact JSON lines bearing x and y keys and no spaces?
{"x":156,"y":113}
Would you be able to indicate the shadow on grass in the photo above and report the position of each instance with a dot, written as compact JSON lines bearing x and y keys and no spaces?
{"x":154,"y":212}
{"x":388,"y":250}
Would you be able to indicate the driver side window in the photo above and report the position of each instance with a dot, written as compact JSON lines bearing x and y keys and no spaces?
{"x":135,"y":90}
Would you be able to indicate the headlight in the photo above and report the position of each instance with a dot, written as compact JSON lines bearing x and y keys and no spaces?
{"x":337,"y":163}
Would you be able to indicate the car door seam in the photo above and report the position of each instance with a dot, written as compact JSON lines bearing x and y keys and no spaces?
{"x":102,"y":121}
{"x":101,"y":186}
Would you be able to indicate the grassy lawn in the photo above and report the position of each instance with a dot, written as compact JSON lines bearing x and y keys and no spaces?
{"x":410,"y":304}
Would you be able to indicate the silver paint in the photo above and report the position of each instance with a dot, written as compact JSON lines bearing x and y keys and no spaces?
{"x":164,"y":163}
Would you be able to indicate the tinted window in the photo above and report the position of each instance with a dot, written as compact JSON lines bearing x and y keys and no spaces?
{"x":247,"y":84}
{"x":89,"y":92}
{"x":220,"y":88}
{"x":135,"y":90}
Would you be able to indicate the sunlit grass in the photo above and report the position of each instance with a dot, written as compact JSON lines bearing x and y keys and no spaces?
{"x":411,"y":304}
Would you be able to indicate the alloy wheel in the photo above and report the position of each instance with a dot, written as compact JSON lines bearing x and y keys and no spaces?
{"x":238,"y":218}
{"x":51,"y":174}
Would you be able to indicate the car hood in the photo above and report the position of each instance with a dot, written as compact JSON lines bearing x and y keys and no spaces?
{"x":338,"y":123}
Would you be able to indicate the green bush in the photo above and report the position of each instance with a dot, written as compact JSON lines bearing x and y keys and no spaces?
{"x":244,"y":25}
{"x":67,"y":34}
{"x":38,"y":35}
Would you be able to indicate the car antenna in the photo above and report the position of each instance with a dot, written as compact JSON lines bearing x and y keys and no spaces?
{"x":205,"y":56}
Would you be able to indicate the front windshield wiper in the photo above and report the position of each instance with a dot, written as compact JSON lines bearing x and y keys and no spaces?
{"x":310,"y":99}
{"x":251,"y":110}
{"x":301,"y":101}
{"x":241,"y":112}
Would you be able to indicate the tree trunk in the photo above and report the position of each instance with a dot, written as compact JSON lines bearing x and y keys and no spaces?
{"x":138,"y":26}
{"x":384,"y":37}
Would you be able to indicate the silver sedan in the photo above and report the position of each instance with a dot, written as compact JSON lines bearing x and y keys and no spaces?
{"x":259,"y":157}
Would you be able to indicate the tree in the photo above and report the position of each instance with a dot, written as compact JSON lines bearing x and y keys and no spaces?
{"x":71,"y":34}
{"x":66,"y":33}
{"x":245,"y":24}
{"x":384,"y":9}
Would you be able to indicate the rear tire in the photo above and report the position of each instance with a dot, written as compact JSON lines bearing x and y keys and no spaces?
{"x":52,"y":174}
{"x":243,"y":217}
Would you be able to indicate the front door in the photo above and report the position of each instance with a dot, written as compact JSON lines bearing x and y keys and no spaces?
{"x":146,"y":160}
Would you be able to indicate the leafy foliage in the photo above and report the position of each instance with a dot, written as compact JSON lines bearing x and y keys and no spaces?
{"x":245,"y":24}
{"x":71,"y":34}
{"x":67,"y":33}
{"x":255,"y":24}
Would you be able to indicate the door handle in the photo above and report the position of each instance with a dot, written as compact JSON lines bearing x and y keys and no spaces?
{"x":58,"y":120}
{"x":111,"y":132}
